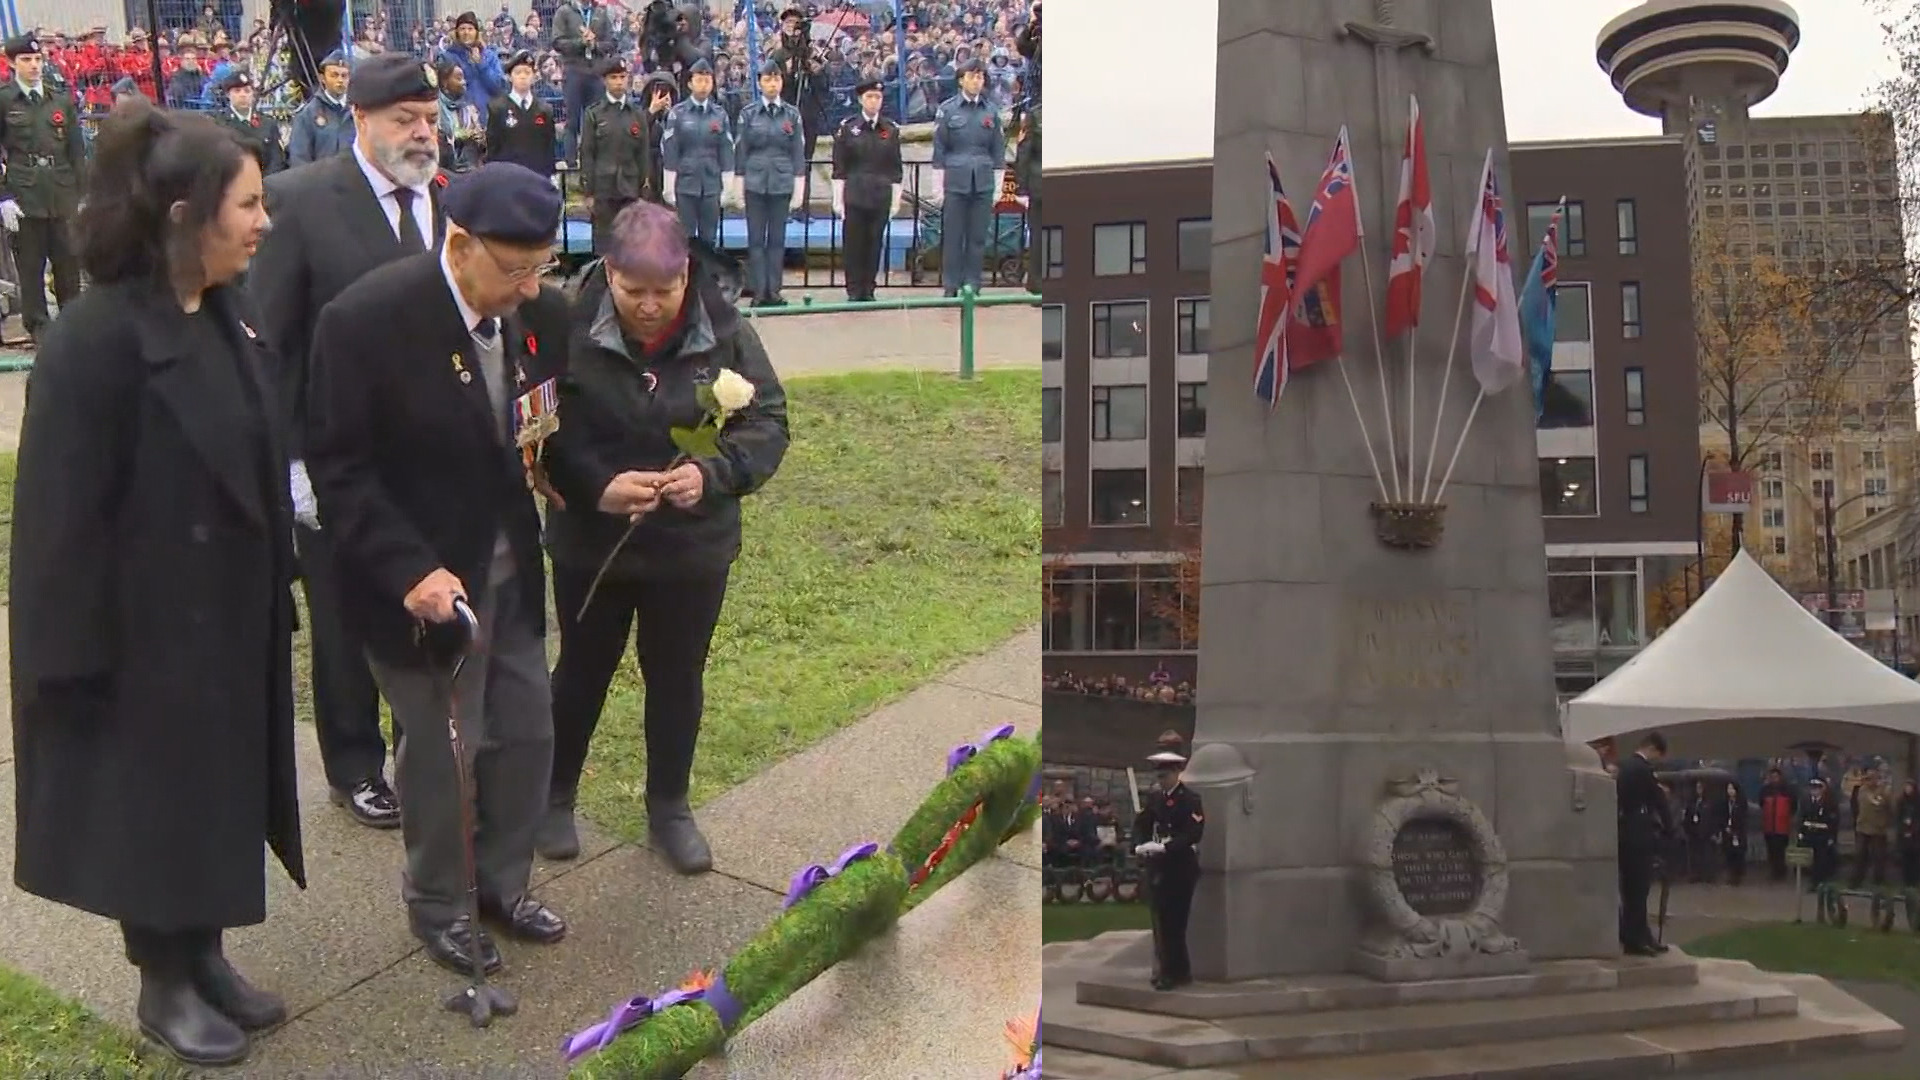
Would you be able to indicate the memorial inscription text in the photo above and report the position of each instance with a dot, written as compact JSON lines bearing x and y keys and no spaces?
{"x":1435,"y":868}
{"x":1416,"y":643}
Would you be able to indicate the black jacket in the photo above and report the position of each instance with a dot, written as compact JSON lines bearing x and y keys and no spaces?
{"x":409,"y":468}
{"x":522,"y":136}
{"x":1645,"y":816}
{"x":615,"y":415}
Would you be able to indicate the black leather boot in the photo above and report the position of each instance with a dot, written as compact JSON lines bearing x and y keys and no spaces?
{"x":228,"y":991}
{"x":557,"y":838}
{"x":670,"y":823}
{"x":173,"y":1013}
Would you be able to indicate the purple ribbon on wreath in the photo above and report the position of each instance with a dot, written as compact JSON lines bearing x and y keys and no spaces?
{"x":631,"y":1012}
{"x":964,"y":753}
{"x":812,"y":877}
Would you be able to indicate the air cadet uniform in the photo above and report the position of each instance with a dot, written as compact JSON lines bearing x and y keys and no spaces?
{"x":1027,"y":165}
{"x":46,"y":163}
{"x":522,"y":131}
{"x":696,"y":154}
{"x":770,"y":161}
{"x":324,"y":125}
{"x":1166,"y":836}
{"x":615,"y":154}
{"x":969,"y":147}
{"x":260,"y":132}
{"x":867,"y":173}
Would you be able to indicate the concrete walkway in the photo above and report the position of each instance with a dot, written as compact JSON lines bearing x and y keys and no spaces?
{"x":927,"y":1003}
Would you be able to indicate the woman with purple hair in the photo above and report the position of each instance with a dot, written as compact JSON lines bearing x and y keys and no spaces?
{"x":672,"y":407}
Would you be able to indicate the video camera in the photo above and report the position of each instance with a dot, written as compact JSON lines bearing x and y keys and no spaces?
{"x":671,"y":34}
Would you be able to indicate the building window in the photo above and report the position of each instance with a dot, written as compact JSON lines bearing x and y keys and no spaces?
{"x":1192,"y":495}
{"x":1120,"y":330}
{"x":1120,"y":250}
{"x":1119,"y":413}
{"x":1773,"y":517}
{"x":1190,"y":421}
{"x":1594,"y":604}
{"x":1823,"y":490}
{"x":1873,"y":459}
{"x":1123,"y":609}
{"x":1629,"y":309}
{"x":1773,"y":490}
{"x":1636,"y":397}
{"x":1567,"y":487}
{"x":1193,"y":326}
{"x":1119,"y":496}
{"x":1627,"y":221}
{"x":1568,"y":401}
{"x":1637,"y":484}
{"x":1874,"y":487}
{"x":1573,"y":227}
{"x":1779,"y":545}
{"x":1770,"y":461}
{"x":1053,"y":499}
{"x":1053,"y":252}
{"x":1050,"y":414}
{"x":1573,"y":313}
{"x":1053,"y":331}
{"x":1196,"y":246}
{"x":1821,"y":460}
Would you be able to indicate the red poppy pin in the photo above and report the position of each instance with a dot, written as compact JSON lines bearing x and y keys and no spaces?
{"x":59,"y":117}
{"x":533,"y":346}
{"x":786,"y":127}
{"x":634,"y":130}
{"x":986,"y":122}
{"x":255,"y":121}
{"x":714,"y":127}
{"x":883,"y":133}
{"x":440,"y":180}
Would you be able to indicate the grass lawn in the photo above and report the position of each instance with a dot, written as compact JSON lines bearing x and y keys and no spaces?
{"x":45,"y":1036}
{"x":1809,"y":948}
{"x":1079,"y":922}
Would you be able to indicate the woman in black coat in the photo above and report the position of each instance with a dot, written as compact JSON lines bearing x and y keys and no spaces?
{"x":657,"y":343}
{"x":152,"y":564}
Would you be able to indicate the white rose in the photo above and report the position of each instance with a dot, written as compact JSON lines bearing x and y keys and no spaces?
{"x":731,"y":391}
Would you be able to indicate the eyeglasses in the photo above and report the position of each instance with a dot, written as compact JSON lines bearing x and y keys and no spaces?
{"x":517,"y":274}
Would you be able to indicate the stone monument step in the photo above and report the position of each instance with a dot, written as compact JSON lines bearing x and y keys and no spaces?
{"x":1124,"y":989}
{"x":1185,"y":1043}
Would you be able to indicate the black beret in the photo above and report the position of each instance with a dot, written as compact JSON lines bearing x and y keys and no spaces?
{"x":870,"y":84}
{"x":613,"y":65}
{"x":24,"y":45}
{"x":519,"y":59}
{"x":971,"y":66}
{"x":700,"y":67}
{"x":389,"y":79}
{"x":772,"y":67}
{"x":505,"y":202}
{"x":234,"y":80}
{"x":793,"y":13}
{"x":467,"y":18}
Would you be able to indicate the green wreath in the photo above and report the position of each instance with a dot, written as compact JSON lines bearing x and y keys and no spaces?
{"x":990,"y":794}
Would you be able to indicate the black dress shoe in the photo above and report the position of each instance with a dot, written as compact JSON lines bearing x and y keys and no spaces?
{"x":526,"y":920}
{"x":371,"y":802}
{"x":1163,"y":984}
{"x":670,"y":824}
{"x":451,"y":946}
{"x":557,"y":838}
{"x":237,"y":999}
{"x":173,"y":1014}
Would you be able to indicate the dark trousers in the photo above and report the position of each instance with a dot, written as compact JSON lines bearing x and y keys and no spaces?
{"x":766,"y":243}
{"x":964,"y":221}
{"x":167,"y":951}
{"x":1777,"y":856}
{"x":1869,"y":859}
{"x":675,"y":621}
{"x":1826,"y":863}
{"x":1736,"y":858}
{"x":346,"y":703}
{"x":579,"y":87}
{"x":1636,"y":880}
{"x":40,"y":242}
{"x":700,"y":216}
{"x":866,"y":235}
{"x":1910,"y":867}
{"x":1171,"y":894}
{"x":604,"y":211}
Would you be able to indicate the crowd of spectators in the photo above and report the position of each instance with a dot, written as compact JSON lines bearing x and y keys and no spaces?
{"x":1158,"y":687}
{"x":861,"y":38}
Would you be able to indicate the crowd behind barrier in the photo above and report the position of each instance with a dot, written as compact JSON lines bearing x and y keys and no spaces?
{"x":1159,"y":687}
{"x":198,"y":43}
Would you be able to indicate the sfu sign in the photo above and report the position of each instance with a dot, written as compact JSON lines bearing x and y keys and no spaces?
{"x":1727,"y":493}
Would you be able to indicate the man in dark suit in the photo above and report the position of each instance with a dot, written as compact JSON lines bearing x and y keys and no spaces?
{"x":335,"y":220}
{"x":1646,"y":820}
{"x":433,"y":385}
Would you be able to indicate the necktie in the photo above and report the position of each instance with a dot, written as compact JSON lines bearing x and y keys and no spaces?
{"x":412,"y":239}
{"x":486,"y":329}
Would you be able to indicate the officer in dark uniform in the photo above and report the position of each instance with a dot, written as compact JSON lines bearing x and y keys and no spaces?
{"x":260,"y":132}
{"x":696,"y":154}
{"x":46,"y":169}
{"x":970,"y":149}
{"x":1027,"y":169}
{"x":770,"y":166}
{"x":1820,"y":832}
{"x":1166,"y":836}
{"x":616,"y":141}
{"x":867,"y":173}
{"x":520,"y":127}
{"x":1646,"y":820}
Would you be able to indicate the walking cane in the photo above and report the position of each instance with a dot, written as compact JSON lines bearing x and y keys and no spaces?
{"x":478,"y":1000}
{"x":1666,"y":893}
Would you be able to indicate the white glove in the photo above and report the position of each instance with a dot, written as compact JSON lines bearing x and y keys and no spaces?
{"x":999,"y":179}
{"x":799,"y":193}
{"x":1151,"y":847}
{"x":840,"y":198}
{"x":306,"y":508}
{"x":667,"y":181}
{"x":736,"y":190}
{"x":893,"y":208}
{"x":10,"y":215}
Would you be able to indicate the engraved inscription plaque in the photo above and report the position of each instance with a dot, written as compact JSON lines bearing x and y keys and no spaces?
{"x":1400,"y":644}
{"x":1435,"y":867}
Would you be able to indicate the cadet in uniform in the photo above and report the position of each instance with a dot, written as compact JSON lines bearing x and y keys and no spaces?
{"x":867,"y":173}
{"x":696,"y":153}
{"x":1166,"y":836}
{"x":1027,"y":167}
{"x":770,"y":169}
{"x":261,"y":133}
{"x":616,"y":140}
{"x":1645,"y":819}
{"x":970,"y":149}
{"x":324,"y":126}
{"x":46,"y":166}
{"x":520,"y":125}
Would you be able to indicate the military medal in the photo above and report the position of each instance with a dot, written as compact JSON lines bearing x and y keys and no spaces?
{"x":248,"y":330}
{"x":512,"y":120}
{"x":536,"y":416}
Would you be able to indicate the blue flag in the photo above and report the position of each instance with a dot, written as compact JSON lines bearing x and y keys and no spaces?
{"x":1539,"y":301}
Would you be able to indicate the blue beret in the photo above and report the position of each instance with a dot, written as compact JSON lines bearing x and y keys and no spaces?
{"x":389,"y":79}
{"x":505,"y":202}
{"x":700,"y":67}
{"x":772,"y":67}
{"x":336,"y":58}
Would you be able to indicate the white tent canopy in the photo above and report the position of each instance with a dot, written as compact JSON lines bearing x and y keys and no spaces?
{"x":1749,"y":652}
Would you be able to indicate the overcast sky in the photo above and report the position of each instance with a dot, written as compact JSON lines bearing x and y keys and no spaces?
{"x":1100,"y":112}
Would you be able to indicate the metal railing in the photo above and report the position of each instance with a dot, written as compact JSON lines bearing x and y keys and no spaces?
{"x":968,"y":302}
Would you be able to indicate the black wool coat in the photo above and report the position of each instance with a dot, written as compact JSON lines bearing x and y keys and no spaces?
{"x":152,"y":616}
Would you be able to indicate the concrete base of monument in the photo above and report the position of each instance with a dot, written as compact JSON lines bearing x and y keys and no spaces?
{"x":1591,"y":1019}
{"x":1403,"y":969}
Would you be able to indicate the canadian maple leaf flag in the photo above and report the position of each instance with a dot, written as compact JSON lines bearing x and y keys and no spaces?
{"x":1414,"y":232}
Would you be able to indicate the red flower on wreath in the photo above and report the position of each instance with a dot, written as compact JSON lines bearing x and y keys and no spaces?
{"x":59,"y":117}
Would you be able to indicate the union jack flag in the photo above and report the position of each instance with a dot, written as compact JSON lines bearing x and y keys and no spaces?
{"x":1276,"y":292}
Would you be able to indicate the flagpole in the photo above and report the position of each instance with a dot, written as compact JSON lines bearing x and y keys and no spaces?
{"x":1446,"y":380}
{"x":1373,"y":324}
{"x":1460,"y":442}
